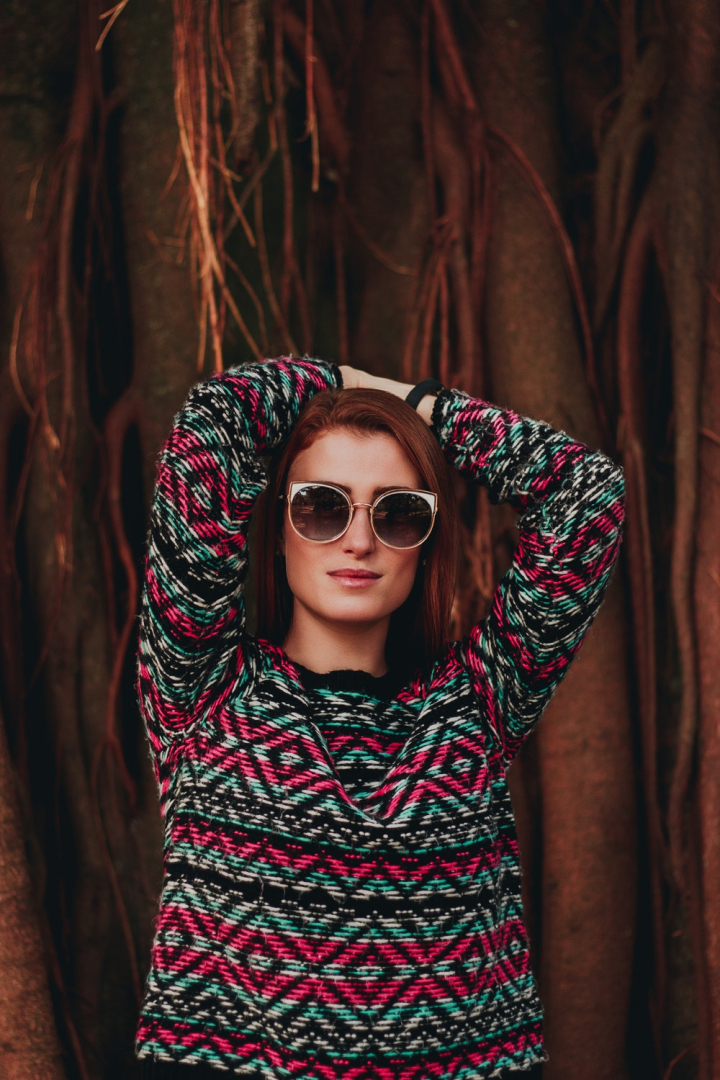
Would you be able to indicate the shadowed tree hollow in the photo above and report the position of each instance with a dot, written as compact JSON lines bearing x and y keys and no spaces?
{"x":518,"y":197}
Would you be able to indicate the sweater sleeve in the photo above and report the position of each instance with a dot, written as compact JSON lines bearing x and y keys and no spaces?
{"x":571,"y":504}
{"x":209,"y":476}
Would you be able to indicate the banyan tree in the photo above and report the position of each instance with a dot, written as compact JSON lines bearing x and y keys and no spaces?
{"x":519,"y":197}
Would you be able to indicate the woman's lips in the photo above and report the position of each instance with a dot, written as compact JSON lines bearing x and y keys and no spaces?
{"x":354,"y":579}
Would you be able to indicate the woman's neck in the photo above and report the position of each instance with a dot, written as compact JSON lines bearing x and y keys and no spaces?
{"x":323,"y":647}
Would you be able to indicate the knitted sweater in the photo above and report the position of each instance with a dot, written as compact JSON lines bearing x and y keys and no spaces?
{"x":341,"y":895}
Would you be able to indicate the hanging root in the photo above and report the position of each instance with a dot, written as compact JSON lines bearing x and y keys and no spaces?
{"x":455,"y":181}
{"x":640,"y":566}
{"x":278,"y":315}
{"x":339,"y":253}
{"x":618,"y":158}
{"x":244,"y":77}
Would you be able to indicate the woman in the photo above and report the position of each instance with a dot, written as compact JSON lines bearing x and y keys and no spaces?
{"x":342,"y":887}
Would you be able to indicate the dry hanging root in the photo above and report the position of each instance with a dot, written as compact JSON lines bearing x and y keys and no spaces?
{"x":199,"y":45}
{"x":206,"y":63}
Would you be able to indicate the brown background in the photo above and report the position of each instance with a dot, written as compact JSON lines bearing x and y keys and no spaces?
{"x":517,"y":196}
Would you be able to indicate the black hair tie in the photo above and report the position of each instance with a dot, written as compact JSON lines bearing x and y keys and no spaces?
{"x":427,"y":386}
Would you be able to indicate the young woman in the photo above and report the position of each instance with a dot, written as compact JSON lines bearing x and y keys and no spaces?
{"x":342,"y":888}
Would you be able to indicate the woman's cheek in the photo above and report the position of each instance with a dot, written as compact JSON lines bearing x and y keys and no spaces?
{"x":403,"y":580}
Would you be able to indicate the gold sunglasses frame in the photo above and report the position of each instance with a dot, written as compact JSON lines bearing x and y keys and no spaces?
{"x":430,"y":498}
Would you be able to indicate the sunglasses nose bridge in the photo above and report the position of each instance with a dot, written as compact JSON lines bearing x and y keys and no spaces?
{"x":367,"y":535}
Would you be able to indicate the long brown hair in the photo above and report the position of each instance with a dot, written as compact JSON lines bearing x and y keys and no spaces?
{"x":419,"y":627}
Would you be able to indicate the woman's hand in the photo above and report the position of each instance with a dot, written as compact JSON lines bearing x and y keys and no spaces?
{"x":354,"y":378}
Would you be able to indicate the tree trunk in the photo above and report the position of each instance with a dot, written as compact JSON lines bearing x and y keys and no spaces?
{"x":29,"y":1045}
{"x":685,"y":212}
{"x":387,"y":191}
{"x":584,"y":744}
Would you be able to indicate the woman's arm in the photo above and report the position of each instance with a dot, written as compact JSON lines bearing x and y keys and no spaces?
{"x":571,"y":504}
{"x":208,"y":479}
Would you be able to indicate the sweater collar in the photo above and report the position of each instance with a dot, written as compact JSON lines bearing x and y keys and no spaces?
{"x":382,"y":687}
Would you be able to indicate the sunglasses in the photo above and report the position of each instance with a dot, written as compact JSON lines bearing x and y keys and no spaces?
{"x":399,"y":519}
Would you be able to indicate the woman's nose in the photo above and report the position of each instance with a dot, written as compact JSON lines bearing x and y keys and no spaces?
{"x":359,"y":539}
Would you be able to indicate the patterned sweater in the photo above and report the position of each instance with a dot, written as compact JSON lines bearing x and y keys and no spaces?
{"x":341,"y":895}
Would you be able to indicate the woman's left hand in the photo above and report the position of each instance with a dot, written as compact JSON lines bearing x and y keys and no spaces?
{"x":354,"y":377}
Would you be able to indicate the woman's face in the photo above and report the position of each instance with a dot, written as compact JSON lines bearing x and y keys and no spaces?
{"x":355,"y":579}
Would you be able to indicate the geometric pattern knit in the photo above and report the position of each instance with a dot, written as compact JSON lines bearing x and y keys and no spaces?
{"x":349,"y":909}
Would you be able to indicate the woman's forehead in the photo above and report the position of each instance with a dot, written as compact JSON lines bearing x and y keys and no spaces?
{"x":354,"y":460}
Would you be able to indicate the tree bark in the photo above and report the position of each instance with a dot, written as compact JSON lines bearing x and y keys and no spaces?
{"x":584,"y":743}
{"x":29,"y":1046}
{"x":387,"y":191}
{"x":162,"y":299}
{"x":33,"y":109}
{"x":688,"y":176}
{"x":707,"y":605}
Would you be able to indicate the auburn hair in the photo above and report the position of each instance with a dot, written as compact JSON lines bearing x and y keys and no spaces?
{"x":419,"y":628}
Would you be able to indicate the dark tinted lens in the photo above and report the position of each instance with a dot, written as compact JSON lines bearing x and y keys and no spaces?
{"x":319,"y":512}
{"x":402,"y":519}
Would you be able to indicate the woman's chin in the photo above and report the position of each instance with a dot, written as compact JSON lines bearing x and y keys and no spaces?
{"x":354,"y":608}
{"x":359,"y":614}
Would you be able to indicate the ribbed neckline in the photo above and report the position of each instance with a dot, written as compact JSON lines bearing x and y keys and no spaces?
{"x":383,"y":687}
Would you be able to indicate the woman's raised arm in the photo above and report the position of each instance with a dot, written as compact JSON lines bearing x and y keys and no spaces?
{"x":208,"y":479}
{"x":571,"y":503}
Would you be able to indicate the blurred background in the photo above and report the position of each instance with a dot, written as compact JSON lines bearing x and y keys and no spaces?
{"x":519,"y":197}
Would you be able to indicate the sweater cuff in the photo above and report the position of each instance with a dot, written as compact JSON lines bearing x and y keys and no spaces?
{"x":336,"y":374}
{"x":447,"y":404}
{"x":329,"y":369}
